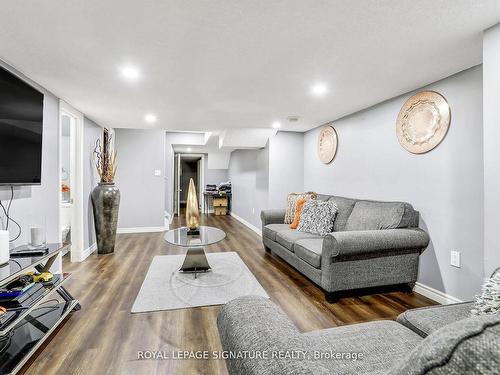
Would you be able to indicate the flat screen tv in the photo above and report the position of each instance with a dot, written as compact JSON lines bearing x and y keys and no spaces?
{"x":21,"y":117}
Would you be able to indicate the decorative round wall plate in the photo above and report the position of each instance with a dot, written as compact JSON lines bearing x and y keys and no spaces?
{"x":423,"y":122}
{"x":327,"y":144}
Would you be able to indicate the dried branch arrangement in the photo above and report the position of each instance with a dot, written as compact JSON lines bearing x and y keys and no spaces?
{"x":105,"y":159}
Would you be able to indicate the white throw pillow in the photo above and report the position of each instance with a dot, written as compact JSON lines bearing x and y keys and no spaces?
{"x":317,"y":217}
{"x":489,"y":300}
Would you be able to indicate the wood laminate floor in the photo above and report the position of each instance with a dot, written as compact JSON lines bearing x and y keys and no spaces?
{"x":104,"y":337}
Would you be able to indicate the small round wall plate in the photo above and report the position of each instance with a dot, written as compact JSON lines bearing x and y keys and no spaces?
{"x":423,"y":122}
{"x":327,"y":144}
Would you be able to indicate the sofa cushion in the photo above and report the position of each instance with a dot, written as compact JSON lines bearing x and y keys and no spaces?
{"x":323,"y":197}
{"x":253,"y":324}
{"x":426,"y":320}
{"x":270,"y":230}
{"x":309,"y":250}
{"x":288,"y":237}
{"x":469,"y":346}
{"x":369,"y":215}
{"x":344,"y":206}
{"x":380,"y":342}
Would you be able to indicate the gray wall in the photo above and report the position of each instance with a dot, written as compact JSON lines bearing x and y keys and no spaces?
{"x":140,"y":153}
{"x":39,"y":203}
{"x":445,"y":185}
{"x":286,"y":167}
{"x":91,"y":132}
{"x":274,"y":172}
{"x":491,"y":92}
{"x":215,"y":176}
{"x":249,"y":174}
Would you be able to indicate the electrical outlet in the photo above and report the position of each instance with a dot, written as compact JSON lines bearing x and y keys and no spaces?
{"x":157,"y":172}
{"x":455,"y":258}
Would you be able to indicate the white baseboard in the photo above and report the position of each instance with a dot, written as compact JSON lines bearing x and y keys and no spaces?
{"x":246,"y":223}
{"x":434,"y":294}
{"x":141,"y":230}
{"x":89,"y":250}
{"x":169,"y":217}
{"x":84,"y":254}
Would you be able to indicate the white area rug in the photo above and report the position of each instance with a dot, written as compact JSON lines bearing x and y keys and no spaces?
{"x":164,"y":288}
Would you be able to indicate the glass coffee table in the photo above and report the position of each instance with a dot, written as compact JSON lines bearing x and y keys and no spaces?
{"x":195,"y":260}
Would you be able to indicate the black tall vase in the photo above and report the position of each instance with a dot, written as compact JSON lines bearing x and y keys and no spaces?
{"x":106,"y":202}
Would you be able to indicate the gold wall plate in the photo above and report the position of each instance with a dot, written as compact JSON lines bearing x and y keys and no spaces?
{"x":423,"y":122}
{"x":327,"y":144}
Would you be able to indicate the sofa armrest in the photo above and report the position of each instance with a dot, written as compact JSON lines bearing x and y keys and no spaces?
{"x":272,"y":216}
{"x":354,"y":243}
{"x":254,"y":324}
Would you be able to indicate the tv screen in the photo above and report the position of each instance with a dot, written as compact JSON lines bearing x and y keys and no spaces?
{"x":21,"y":117}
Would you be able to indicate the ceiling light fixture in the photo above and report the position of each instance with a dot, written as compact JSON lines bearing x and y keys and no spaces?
{"x":130,"y":73}
{"x":189,"y":149}
{"x":319,"y":89}
{"x":276,"y":125}
{"x":150,"y":118}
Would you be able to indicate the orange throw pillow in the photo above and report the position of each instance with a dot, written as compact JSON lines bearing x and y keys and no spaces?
{"x":298,"y":211}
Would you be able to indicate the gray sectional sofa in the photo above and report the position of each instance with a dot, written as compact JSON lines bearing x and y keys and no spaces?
{"x":373,"y":244}
{"x":441,"y":340}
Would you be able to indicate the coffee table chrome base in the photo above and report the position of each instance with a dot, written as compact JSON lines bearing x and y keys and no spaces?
{"x":195,"y":261}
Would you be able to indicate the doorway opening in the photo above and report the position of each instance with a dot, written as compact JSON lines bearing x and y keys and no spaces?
{"x":71,"y":180}
{"x":187,"y":166}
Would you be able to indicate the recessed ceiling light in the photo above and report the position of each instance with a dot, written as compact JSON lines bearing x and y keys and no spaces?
{"x":189,"y":149}
{"x":319,"y":89}
{"x":150,"y":118}
{"x":276,"y":125}
{"x":130,"y":73}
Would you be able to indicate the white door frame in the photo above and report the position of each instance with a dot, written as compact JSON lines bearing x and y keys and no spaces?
{"x":201,"y":198}
{"x":177,"y":184}
{"x":77,"y":245}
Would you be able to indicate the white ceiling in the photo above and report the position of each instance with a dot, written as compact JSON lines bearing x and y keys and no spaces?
{"x":221,"y":64}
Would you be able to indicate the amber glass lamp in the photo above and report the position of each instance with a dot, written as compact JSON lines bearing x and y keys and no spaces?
{"x":192,"y":213}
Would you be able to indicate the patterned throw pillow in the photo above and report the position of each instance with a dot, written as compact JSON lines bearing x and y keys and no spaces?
{"x":298,"y":211}
{"x":317,"y":217}
{"x":292,"y":203}
{"x":489,"y":300}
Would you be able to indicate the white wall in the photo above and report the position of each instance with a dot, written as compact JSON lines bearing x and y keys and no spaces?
{"x":140,"y":153}
{"x":445,"y":185}
{"x":491,"y":92}
{"x":66,"y":147}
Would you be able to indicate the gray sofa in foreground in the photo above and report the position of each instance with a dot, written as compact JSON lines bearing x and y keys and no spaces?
{"x":263,"y":341}
{"x":373,"y":244}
